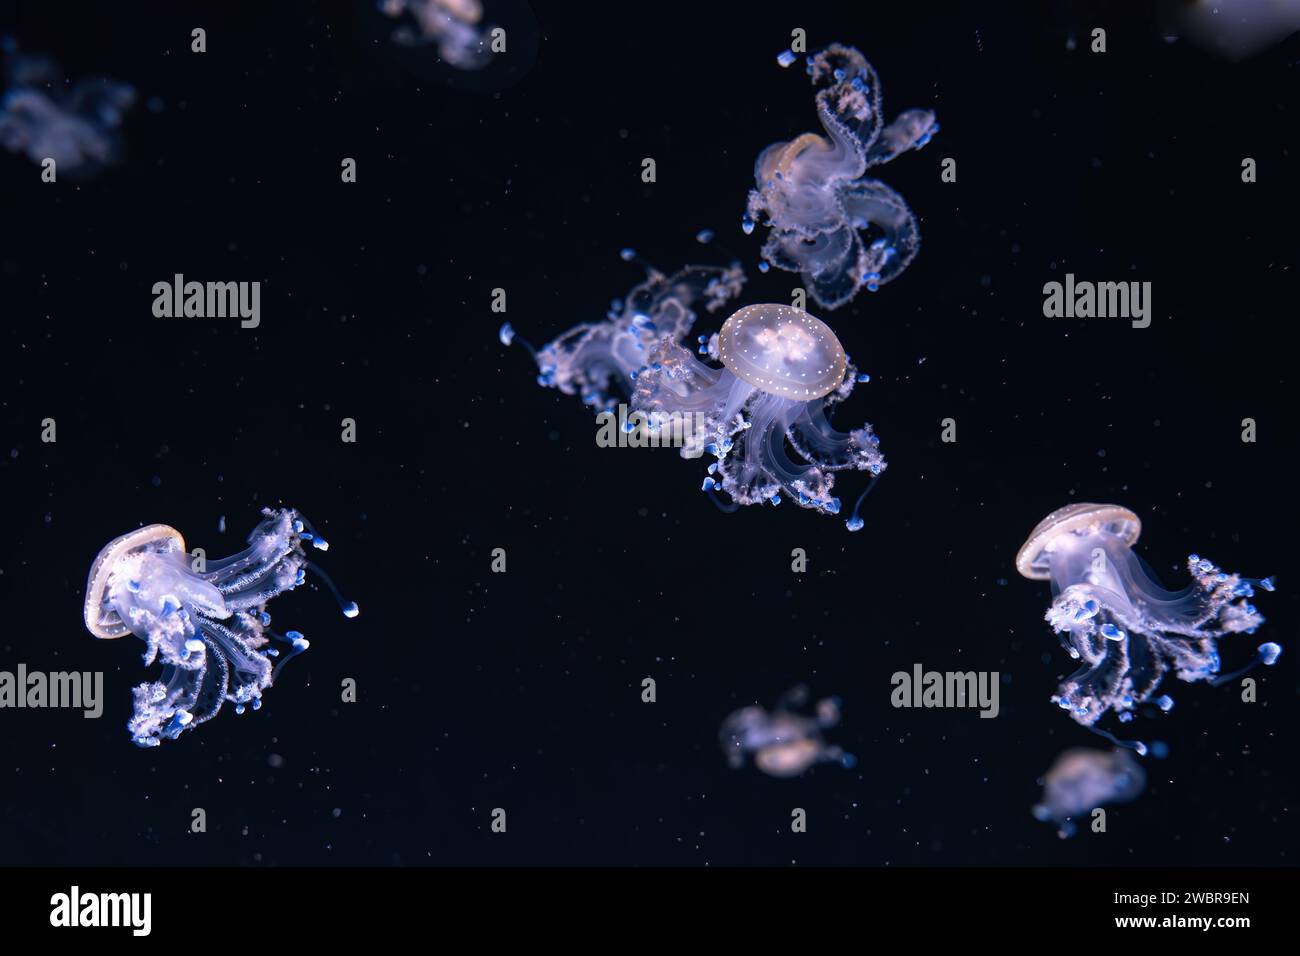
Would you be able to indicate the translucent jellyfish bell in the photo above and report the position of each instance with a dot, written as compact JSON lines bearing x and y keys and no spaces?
{"x":102,"y":617}
{"x":782,"y":351}
{"x":1058,"y":530}
{"x":1112,"y":613}
{"x":1081,"y":780}
{"x":206,"y":620}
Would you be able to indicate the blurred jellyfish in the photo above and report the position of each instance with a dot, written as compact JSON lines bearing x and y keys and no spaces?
{"x":783,"y":743}
{"x":1236,"y":29}
{"x":44,"y":117}
{"x":1112,"y":614}
{"x":451,"y":24}
{"x":839,"y":230}
{"x":1082,"y":780}
{"x":206,"y":620}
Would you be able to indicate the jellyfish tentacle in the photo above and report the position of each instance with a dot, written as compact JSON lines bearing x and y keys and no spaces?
{"x":349,"y":608}
{"x":855,"y":522}
{"x":250,"y":669}
{"x":726,"y":507}
{"x":212,"y":685}
{"x":1266,"y":655}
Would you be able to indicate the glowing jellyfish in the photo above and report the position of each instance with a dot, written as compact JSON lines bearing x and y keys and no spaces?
{"x":451,"y":24}
{"x":783,"y":743}
{"x":205,"y":620}
{"x":1081,"y":780}
{"x":837,"y":229}
{"x":44,"y":117}
{"x":1111,"y":613}
{"x":783,"y":372}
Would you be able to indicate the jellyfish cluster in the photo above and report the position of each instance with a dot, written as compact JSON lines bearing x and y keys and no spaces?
{"x":205,"y":621}
{"x":782,"y":372}
{"x":839,"y":230}
{"x":1112,"y":614}
{"x":453,"y":25}
{"x":1081,"y":780}
{"x":784,"y":742}
{"x":76,"y":125}
{"x":759,"y":393}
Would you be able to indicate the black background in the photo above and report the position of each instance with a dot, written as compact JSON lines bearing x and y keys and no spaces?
{"x":522,"y":690}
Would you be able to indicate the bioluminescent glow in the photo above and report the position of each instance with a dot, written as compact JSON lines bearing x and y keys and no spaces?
{"x":205,"y":620}
{"x":1081,"y":780}
{"x":837,"y":229}
{"x":784,"y":742}
{"x":1111,"y":612}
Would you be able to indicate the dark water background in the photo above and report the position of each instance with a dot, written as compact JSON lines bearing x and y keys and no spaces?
{"x":522,"y":690}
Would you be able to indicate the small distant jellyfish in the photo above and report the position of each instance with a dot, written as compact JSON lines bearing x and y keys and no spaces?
{"x":783,"y":743}
{"x":451,"y":24}
{"x":205,"y":620}
{"x":1081,"y":780}
{"x":45,"y":117}
{"x":1111,"y":612}
{"x":837,"y":229}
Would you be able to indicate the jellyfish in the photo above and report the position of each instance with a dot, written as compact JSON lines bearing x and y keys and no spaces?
{"x":1112,"y":614}
{"x":205,"y":620}
{"x":783,"y":371}
{"x":452,"y":24}
{"x":1081,"y":780}
{"x":784,"y":743}
{"x":76,"y":125}
{"x":837,"y":229}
